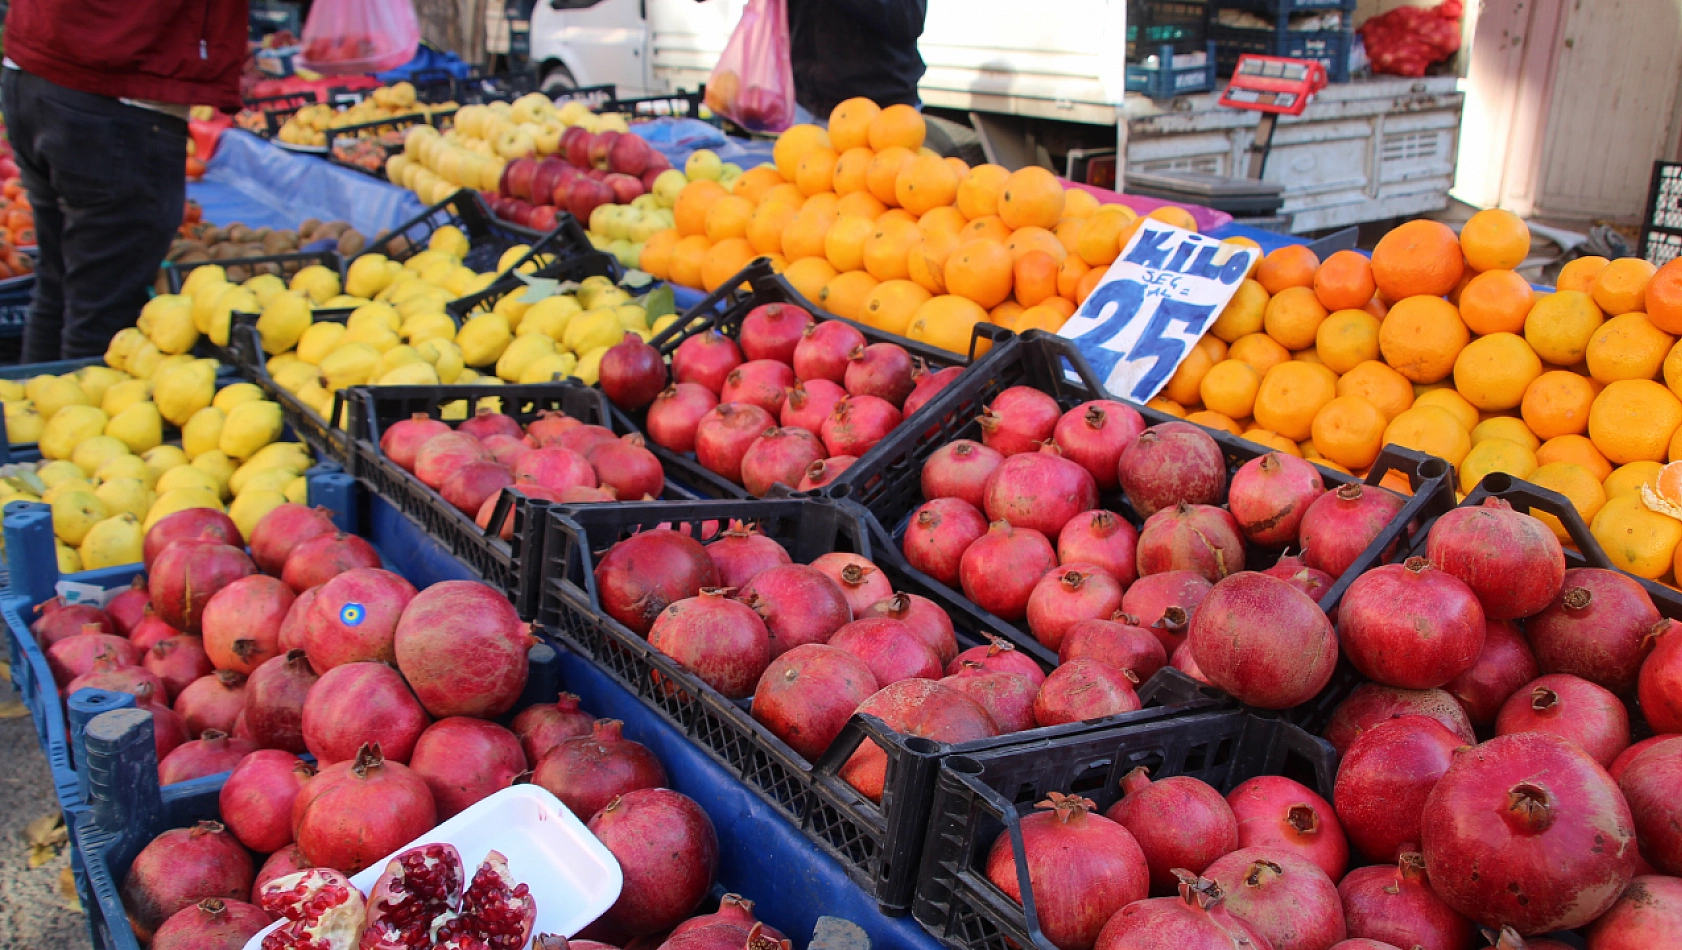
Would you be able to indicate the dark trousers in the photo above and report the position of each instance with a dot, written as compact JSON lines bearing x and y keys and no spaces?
{"x":107,"y":182}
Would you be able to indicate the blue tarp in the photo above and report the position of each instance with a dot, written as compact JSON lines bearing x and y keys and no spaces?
{"x":677,"y":138}
{"x":427,"y":60}
{"x":257,"y":183}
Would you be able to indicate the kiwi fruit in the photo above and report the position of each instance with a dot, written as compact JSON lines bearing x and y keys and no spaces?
{"x":238,"y":233}
{"x":351,"y":243}
{"x":307,"y":229}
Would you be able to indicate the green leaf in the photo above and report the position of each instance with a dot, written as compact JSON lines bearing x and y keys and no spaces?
{"x":636,"y":279}
{"x":659,"y":302}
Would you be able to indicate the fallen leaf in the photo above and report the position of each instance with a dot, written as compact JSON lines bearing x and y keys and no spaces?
{"x":67,"y":891}
{"x":47,"y":830}
{"x":5,"y":669}
{"x":13,"y":709}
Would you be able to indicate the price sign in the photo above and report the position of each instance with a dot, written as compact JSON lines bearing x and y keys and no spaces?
{"x":1154,"y":303}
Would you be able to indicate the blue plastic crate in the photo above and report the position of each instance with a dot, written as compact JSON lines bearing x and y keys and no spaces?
{"x":1168,"y":80}
{"x":1286,"y":7}
{"x":1330,"y":49}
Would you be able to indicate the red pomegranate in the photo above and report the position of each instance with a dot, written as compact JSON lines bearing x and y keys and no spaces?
{"x":555,"y":468}
{"x":1067,"y":595}
{"x":542,"y":726}
{"x":1275,"y":812}
{"x":882,"y":370}
{"x":274,"y":701}
{"x":1007,"y":697}
{"x":442,"y":454}
{"x":90,"y":652}
{"x":762,"y":383}
{"x":929,"y":385}
{"x":773,"y":331}
{"x":1511,"y":561}
{"x":181,"y":867}
{"x":324,"y":557}
{"x":808,"y":693}
{"x":778,"y":455}
{"x":823,"y":473}
{"x":1199,"y":538}
{"x":70,"y":620}
{"x":960,"y":470}
{"x":999,"y":655}
{"x":486,"y":422}
{"x":1018,"y":420}
{"x":939,"y":533}
{"x":861,"y":581}
{"x":1183,"y":661}
{"x":283,"y":529}
{"x":587,"y":772}
{"x":1118,"y":642}
{"x":288,"y":860}
{"x":402,"y":440}
{"x":242,"y":622}
{"x":211,"y":924}
{"x":1170,"y":463}
{"x":177,"y":663}
{"x":1083,"y":689}
{"x":1094,"y":434}
{"x":1646,"y":916}
{"x":1103,"y":538}
{"x":705,"y":359}
{"x":256,"y":801}
{"x":1384,"y":778}
{"x":467,"y":487}
{"x":464,"y":760}
{"x":354,"y":617}
{"x":1527,"y":831}
{"x":506,"y":450}
{"x":199,"y":524}
{"x":1621,"y":763}
{"x":1195,"y":920}
{"x":733,"y":922}
{"x":462,"y":649}
{"x":1660,"y":684}
{"x":1263,"y":641}
{"x":1291,"y":569}
{"x":823,"y":351}
{"x":212,"y":702}
{"x":1593,"y":628}
{"x":632,"y":373}
{"x":1504,"y":664}
{"x":927,"y":620}
{"x":359,"y":810}
{"x":1269,"y":495}
{"x":724,"y":434}
{"x":857,"y":423}
{"x":1340,"y":524}
{"x":799,"y":604}
{"x":999,"y":569}
{"x":642,"y":575}
{"x":1286,"y":897}
{"x":1411,"y":625}
{"x":213,"y":752}
{"x":357,"y":704}
{"x":151,"y":631}
{"x":742,"y":553}
{"x":137,"y":681}
{"x":320,"y":907}
{"x":530,"y":490}
{"x":667,"y":851}
{"x":677,"y":412}
{"x":1178,"y":821}
{"x":186,"y":574}
{"x":1371,"y":704}
{"x":1082,"y":868}
{"x":418,"y":886}
{"x":914,"y":707}
{"x":128,"y":608}
{"x":808,"y":404}
{"x":721,"y":641}
{"x":169,"y":730}
{"x":1387,"y":903}
{"x":1166,"y":602}
{"x":890,"y":648}
{"x":1040,"y":490}
{"x":292,"y":629}
{"x":1572,"y":708}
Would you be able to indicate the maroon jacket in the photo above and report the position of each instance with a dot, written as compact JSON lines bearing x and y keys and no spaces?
{"x":182,"y":51}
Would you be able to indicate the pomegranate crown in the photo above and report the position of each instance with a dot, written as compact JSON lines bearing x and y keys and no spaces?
{"x":1067,"y":807}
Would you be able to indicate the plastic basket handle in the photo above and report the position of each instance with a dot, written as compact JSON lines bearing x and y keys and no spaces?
{"x":1525,"y":496}
{"x":1432,"y":496}
{"x":757,"y":272}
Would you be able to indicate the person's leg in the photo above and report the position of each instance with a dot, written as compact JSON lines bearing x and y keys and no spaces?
{"x":43,"y":333}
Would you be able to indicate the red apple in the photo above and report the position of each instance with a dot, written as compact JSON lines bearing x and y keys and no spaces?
{"x":625,"y":187}
{"x":543,"y":218}
{"x":629,"y":155}
{"x":578,"y":146}
{"x":586,"y":196}
{"x":601,"y":146}
{"x":595,"y":174}
{"x":517,"y":178}
{"x":649,"y":176}
{"x":520,"y":212}
{"x":560,"y":192}
{"x":548,"y":176}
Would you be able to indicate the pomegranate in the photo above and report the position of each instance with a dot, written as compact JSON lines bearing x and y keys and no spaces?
{"x":212,"y":702}
{"x":151,"y":631}
{"x":497,"y":912}
{"x":668,"y":852}
{"x":402,"y":440}
{"x":1269,"y":495}
{"x":1646,"y":917}
{"x":857,"y":423}
{"x":1384,"y":778}
{"x":283,"y":529}
{"x":1007,"y":697}
{"x":1094,"y":434}
{"x":1178,"y":821}
{"x":354,"y":616}
{"x":70,"y":620}
{"x":890,"y":648}
{"x":542,"y":726}
{"x":1397,"y":904}
{"x":1511,"y":561}
{"x":169,"y":730}
{"x":506,"y":450}
{"x":211,"y":924}
{"x":1411,"y":625}
{"x":960,"y":470}
{"x":1263,"y":641}
{"x":799,"y":605}
{"x":1286,"y":897}
{"x":1183,"y":661}
{"x":1039,"y":490}
{"x":809,"y":404}
{"x":824,"y":350}
{"x":1082,"y":868}
{"x":181,"y":867}
{"x":914,"y":707}
{"x":1103,"y":538}
{"x":443,"y":454}
{"x":1527,"y":831}
{"x":1338,"y":526}
{"x":530,"y":490}
{"x":929,"y":385}
{"x":882,"y":370}
{"x":555,"y":468}
{"x":734,"y":921}
{"x":721,"y":641}
{"x":292,"y":629}
{"x":587,"y":772}
{"x":1169,"y":463}
{"x":676,"y":413}
{"x":1195,"y":920}
{"x":1199,"y":538}
{"x":486,"y":422}
{"x":642,"y":575}
{"x":256,"y":801}
{"x":464,"y":760}
{"x":1166,"y":602}
{"x":549,"y":426}
{"x":1000,"y":569}
{"x":1660,"y":684}
{"x":1117,"y":642}
{"x":138,"y":682}
{"x":1291,"y":569}
{"x":1621,"y":763}
{"x":823,"y":473}
{"x":462,"y":649}
{"x":1066,"y":596}
{"x":742,"y":553}
{"x":1503,"y":665}
{"x":324,"y":557}
{"x":1275,"y":812}
{"x":288,"y":860}
{"x":861,"y":582}
{"x":778,"y":455}
{"x":419,"y":888}
{"x":1018,"y":420}
{"x":1586,"y":715}
{"x":773,"y":331}
{"x":199,"y":524}
{"x":807,"y":694}
{"x":724,"y":435}
{"x":467,"y":487}
{"x":632,"y":373}
{"x":213,"y":752}
{"x":357,"y":811}
{"x":185,"y":575}
{"x":938,"y":535}
{"x":242,"y":622}
{"x":90,"y":652}
{"x":274,"y":701}
{"x":926,"y":619}
{"x":1593,"y":628}
{"x":762,"y":383}
{"x":177,"y":663}
{"x":1001,"y":656}
{"x":1372,"y":704}
{"x":357,"y":704}
{"x":705,"y":359}
{"x":1083,"y":689}
{"x":323,"y":910}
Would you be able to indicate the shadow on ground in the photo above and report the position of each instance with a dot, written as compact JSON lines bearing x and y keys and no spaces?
{"x":34,"y":913}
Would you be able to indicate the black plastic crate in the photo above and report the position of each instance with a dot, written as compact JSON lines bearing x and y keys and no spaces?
{"x":486,"y":237}
{"x":1169,"y":78}
{"x":278,"y":109}
{"x":984,"y":794}
{"x":878,"y":844}
{"x":326,"y":440}
{"x":570,"y":264}
{"x":478,"y":89}
{"x":339,"y":137}
{"x":1150,"y":22}
{"x":175,"y":273}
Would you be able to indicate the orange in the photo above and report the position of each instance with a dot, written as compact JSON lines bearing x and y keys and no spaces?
{"x":1100,"y":238}
{"x":1465,"y":278}
{"x":948,"y":321}
{"x":860,"y":204}
{"x":816,"y":172}
{"x":825,"y":201}
{"x":1494,"y":455}
{"x":978,"y":193}
{"x":959,"y":166}
{"x":844,"y":244}
{"x":1444,"y":397}
{"x":985,"y":228}
{"x":1344,"y":281}
{"x":1580,"y":274}
{"x":1023,"y":240}
{"x":981,"y":271}
{"x":1349,"y":431}
{"x":728,"y":218}
{"x":1380,"y":385}
{"x":1048,"y":319}
{"x":687,"y":257}
{"x":844,"y":294}
{"x":890,"y":304}
{"x":1622,"y":285}
{"x":1004,"y":314}
{"x":1069,"y":274}
{"x":1034,"y":275}
{"x":1078,"y":203}
{"x":657,"y":253}
{"x":1664,"y":297}
{"x":850,"y":170}
{"x":1174,"y":215}
{"x":1290,"y":266}
{"x":693,"y":203}
{"x":1184,"y":386}
{"x":1628,"y":479}
{"x":1430,"y":429}
{"x":926,"y":264}
{"x":1632,"y":420}
{"x":1293,"y":316}
{"x":755,"y":182}
{"x":1229,"y":387}
{"x":1505,"y":427}
{"x":889,"y":246}
{"x":1272,"y":440}
{"x":1310,"y":355}
{"x":950,"y":220}
{"x":1637,"y":539}
{"x":1560,"y":325}
{"x":1062,"y":305}
{"x":1164,"y":404}
{"x":1557,"y":403}
{"x":1576,"y":449}
{"x":1244,"y":314}
{"x":897,"y":214}
{"x":1673,"y":369}
{"x":1421,"y":337}
{"x":724,"y":260}
{"x":897,"y":126}
{"x":1627,"y":346}
{"x":787,"y":192}
{"x":1494,"y":371}
{"x":924,"y":184}
{"x":1259,"y":350}
{"x":808,"y":275}
{"x":1346,"y":339}
{"x":1088,"y":283}
{"x":884,"y":170}
{"x":765,"y":228}
{"x":793,"y":145}
{"x":1210,"y":419}
{"x":1495,"y":301}
{"x":1494,"y":239}
{"x":1577,"y":484}
{"x":849,"y":123}
{"x":1068,"y":233}
{"x":804,"y":235}
{"x":1417,"y":258}
{"x":1290,"y":395}
{"x":1032,"y":197}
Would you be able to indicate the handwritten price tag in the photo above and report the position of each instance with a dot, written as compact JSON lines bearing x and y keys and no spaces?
{"x":1153,"y":304}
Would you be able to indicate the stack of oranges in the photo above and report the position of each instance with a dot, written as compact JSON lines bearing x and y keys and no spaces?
{"x":868,"y":224}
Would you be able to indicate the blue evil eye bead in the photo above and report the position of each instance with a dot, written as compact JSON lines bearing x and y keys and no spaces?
{"x":351,"y":614}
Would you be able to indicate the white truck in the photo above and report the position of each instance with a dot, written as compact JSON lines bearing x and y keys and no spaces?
{"x":1044,"y":83}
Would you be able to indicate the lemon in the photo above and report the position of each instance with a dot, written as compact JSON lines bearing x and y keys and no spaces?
{"x":168,"y":363}
{"x":298,"y":491}
{"x":550,"y":316}
{"x":74,"y":513}
{"x":513,"y":308}
{"x":449,"y":240}
{"x":589,"y":366}
{"x":319,"y":340}
{"x":125,"y":495}
{"x":511,"y":255}
{"x":432,"y":301}
{"x":349,"y":365}
{"x":249,"y":427}
{"x":162,"y":459}
{"x":317,"y":281}
{"x":122,"y":344}
{"x":522,"y":352}
{"x":97,"y":380}
{"x":281,"y":453}
{"x":11,"y":390}
{"x":139,"y":427}
{"x":295,"y":376}
{"x":267,"y":479}
{"x":169,"y":503}
{"x":284,"y":320}
{"x":69,"y":562}
{"x":393,"y":358}
{"x":367,"y":275}
{"x":144,"y":360}
{"x":591,"y":330}
{"x":428,"y":326}
{"x":23,"y":423}
{"x":114,"y":541}
{"x":251,"y":505}
{"x":631,"y":316}
{"x":68,"y":428}
{"x":125,"y":394}
{"x":184,"y":390}
{"x":56,"y":392}
{"x":265,"y":287}
{"x":126,"y":466}
{"x":418,"y":373}
{"x":220,"y":322}
{"x":66,"y":487}
{"x":279,"y":360}
{"x":378,"y":337}
{"x":203,"y":431}
{"x":312,"y":395}
{"x":202,"y":275}
{"x":379,"y":314}
{"x":171,"y":329}
{"x":230,"y":396}
{"x":343,"y":302}
{"x":445,"y":358}
{"x":188,"y":476}
{"x":483,"y":338}
{"x":204,"y":299}
{"x":549,"y":368}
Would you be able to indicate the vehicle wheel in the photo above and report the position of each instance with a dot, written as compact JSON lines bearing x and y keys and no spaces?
{"x":557,"y":79}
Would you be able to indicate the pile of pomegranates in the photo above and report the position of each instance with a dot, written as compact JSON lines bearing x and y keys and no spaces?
{"x":791,"y":400}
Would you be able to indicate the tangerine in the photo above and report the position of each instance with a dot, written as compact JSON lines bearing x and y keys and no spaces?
{"x":1069,"y":274}
{"x":926,"y":264}
{"x":1062,"y":305}
{"x":1166,"y":405}
{"x":925,"y":184}
{"x":986,"y":228}
{"x":1346,"y":339}
{"x":1210,"y":419}
{"x":1627,"y":346}
{"x":687,"y":257}
{"x":978,"y":193}
{"x":860,"y":204}
{"x":808,"y":276}
{"x":693,"y":203}
{"x":1244,"y":314}
{"x":1174,"y":215}
{"x":787,"y":192}
{"x":1388,"y":390}
{"x":1183,"y":386}
{"x":1495,"y":301}
{"x":1068,"y":233}
{"x":1259,"y":350}
{"x":1577,"y":450}
{"x":1621,"y":286}
{"x":1432,"y":430}
{"x":1444,"y":397}
{"x":1032,"y":197}
{"x":1293,"y":316}
{"x":845,"y":293}
{"x":1664,"y":297}
{"x":1633,"y":419}
{"x":851,"y":169}
{"x":1272,"y":441}
{"x":1580,"y":274}
{"x":792,"y":146}
{"x":1628,"y":479}
{"x":1229,"y":387}
{"x":959,"y":166}
{"x":1099,"y":243}
{"x":950,"y":220}
{"x":804,"y":236}
{"x":1494,"y":455}
{"x":1417,"y":258}
{"x":1089,"y":283}
{"x":825,"y":201}
{"x":1005,"y":314}
{"x":897,"y":214}
{"x":755,"y":182}
{"x":1078,"y":203}
{"x":1422,"y":336}
{"x":888,"y":248}
{"x":981,"y":271}
{"x":728,"y":217}
{"x":890,"y":305}
{"x":1034,"y":276}
{"x":1290,"y":395}
{"x":1636,"y":539}
{"x":884,"y":171}
{"x":1344,"y":281}
{"x":656,"y":255}
{"x":765,"y":228}
{"x":1560,"y":325}
{"x":1048,"y":319}
{"x":1494,"y":371}
{"x":723,"y":261}
{"x":1506,"y":427}
{"x":1673,"y":369}
{"x":843,"y":245}
{"x":849,"y":123}
{"x":1293,"y":265}
{"x":897,"y":126}
{"x":1585,"y":493}
{"x":1023,"y":240}
{"x":1349,"y":431}
{"x":1494,"y":239}
{"x":948,"y":321}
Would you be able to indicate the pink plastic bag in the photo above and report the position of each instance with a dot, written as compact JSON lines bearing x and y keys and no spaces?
{"x":753,"y":83}
{"x":359,"y":36}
